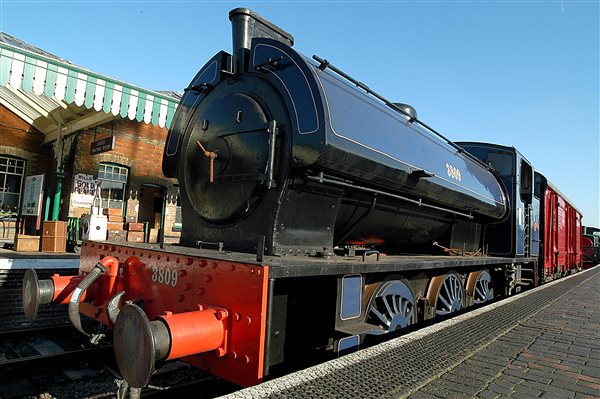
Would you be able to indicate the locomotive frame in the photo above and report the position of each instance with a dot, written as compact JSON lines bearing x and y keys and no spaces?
{"x":271,"y":316}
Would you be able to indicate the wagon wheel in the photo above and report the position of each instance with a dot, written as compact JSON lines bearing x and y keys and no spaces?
{"x":479,"y":287}
{"x":392,"y":307}
{"x":446,"y":293}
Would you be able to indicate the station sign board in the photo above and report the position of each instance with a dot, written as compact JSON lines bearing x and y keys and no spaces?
{"x":104,"y":145}
{"x":32,"y":196}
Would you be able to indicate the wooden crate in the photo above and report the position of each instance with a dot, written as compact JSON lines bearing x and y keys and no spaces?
{"x":25,"y":243}
{"x":54,"y":244}
{"x":116,"y":218}
{"x":153,"y":235}
{"x":135,"y":236}
{"x":135,"y":226}
{"x":54,"y":228}
{"x":54,"y":236}
{"x":112,"y":211}
{"x":117,"y":235}
{"x":115,"y":226}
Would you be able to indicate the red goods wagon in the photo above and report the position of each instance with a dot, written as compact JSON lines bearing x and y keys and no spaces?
{"x":591,"y":250}
{"x":577,"y":259}
{"x":561,"y":234}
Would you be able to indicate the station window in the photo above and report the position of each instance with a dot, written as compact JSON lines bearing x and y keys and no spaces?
{"x":12,"y":171}
{"x":113,"y":180}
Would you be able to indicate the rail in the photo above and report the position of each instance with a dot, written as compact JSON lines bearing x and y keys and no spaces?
{"x":28,"y":346}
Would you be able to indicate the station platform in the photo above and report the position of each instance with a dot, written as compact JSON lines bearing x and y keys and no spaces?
{"x":542,"y":343}
{"x":12,"y":260}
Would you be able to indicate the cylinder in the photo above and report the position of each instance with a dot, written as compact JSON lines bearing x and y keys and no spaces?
{"x":194,"y":332}
{"x":57,"y":289}
{"x":63,"y":287}
{"x":140,"y":343}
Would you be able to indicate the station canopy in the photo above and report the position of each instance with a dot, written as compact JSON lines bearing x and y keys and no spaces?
{"x":49,"y":92}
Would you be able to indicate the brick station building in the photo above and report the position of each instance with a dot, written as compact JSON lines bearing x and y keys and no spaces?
{"x":51,"y":111}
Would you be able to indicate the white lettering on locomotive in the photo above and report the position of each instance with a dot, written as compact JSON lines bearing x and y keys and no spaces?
{"x":453,"y":172}
{"x":164,"y":275}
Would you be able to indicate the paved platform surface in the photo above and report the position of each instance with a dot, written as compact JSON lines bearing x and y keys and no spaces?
{"x":543,"y":343}
{"x":38,"y":262}
{"x":10,"y":259}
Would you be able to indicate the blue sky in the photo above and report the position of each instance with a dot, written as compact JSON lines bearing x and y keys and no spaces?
{"x":520,"y":73}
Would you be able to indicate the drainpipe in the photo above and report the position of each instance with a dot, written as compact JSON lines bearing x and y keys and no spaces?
{"x":47,"y":205}
{"x":60,"y":175}
{"x":162,"y":217}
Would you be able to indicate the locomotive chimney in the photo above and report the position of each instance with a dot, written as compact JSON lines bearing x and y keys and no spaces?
{"x":246,"y":25}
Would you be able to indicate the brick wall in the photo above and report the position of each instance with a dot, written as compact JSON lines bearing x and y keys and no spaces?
{"x":20,"y":139}
{"x":139,"y":147}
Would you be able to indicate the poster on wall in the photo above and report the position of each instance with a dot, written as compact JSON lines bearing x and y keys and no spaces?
{"x":32,"y":196}
{"x":177,"y":225}
{"x":84,"y":188}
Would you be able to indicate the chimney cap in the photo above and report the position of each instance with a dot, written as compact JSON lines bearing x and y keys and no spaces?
{"x":259,"y":18}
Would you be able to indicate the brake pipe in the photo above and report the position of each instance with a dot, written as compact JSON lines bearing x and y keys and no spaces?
{"x":88,"y":280}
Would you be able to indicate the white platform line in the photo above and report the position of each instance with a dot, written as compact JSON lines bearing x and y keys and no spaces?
{"x":39,"y":263}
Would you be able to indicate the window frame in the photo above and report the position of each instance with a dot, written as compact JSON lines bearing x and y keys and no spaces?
{"x":106,"y":169}
{"x":7,"y":170}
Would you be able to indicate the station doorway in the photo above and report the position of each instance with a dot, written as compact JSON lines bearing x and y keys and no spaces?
{"x":151,"y":210}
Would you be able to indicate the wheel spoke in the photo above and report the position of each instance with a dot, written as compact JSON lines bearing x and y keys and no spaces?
{"x":458,"y":288}
{"x":388,"y":308}
{"x":450,"y":294}
{"x":447,"y":287}
{"x":448,"y":304}
{"x":384,"y":320}
{"x":480,"y":293}
{"x":392,"y":306}
{"x":396,"y":302}
{"x":482,"y":288}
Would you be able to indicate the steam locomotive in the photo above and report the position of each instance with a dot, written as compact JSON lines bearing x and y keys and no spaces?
{"x":317,"y":215}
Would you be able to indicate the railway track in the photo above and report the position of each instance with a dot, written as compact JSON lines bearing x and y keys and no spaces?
{"x":59,"y":362}
{"x":25,"y":347}
{"x":12,"y":317}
